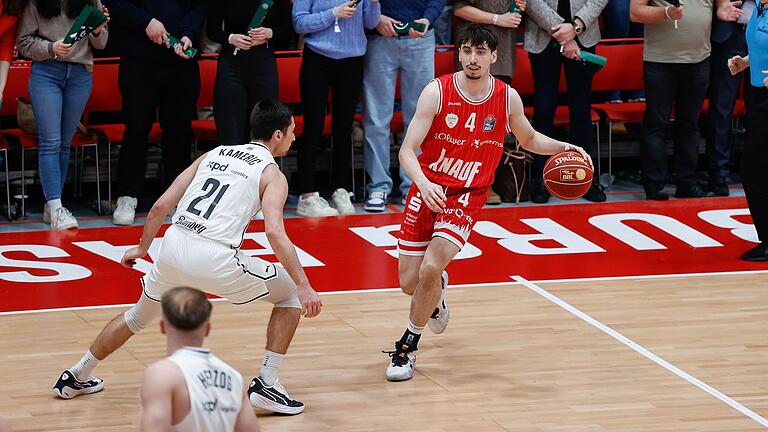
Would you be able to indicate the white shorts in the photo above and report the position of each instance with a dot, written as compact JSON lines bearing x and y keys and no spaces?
{"x":186,"y":259}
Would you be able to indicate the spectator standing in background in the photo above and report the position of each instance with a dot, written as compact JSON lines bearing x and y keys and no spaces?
{"x":727,"y":41}
{"x":59,"y":86}
{"x":155,"y":77}
{"x":675,"y":70}
{"x":555,"y":35}
{"x":502,"y":23}
{"x":249,"y":76}
{"x":413,"y":56}
{"x":334,"y":46}
{"x":755,"y":157}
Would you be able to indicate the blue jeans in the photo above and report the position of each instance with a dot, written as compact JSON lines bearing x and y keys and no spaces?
{"x":616,"y":25}
{"x":415,"y":59}
{"x":442,"y":26}
{"x":58,"y":91}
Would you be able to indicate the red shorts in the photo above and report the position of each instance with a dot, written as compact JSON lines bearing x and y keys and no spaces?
{"x":420,"y":224}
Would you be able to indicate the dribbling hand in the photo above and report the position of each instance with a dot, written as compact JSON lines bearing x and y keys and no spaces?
{"x":131,"y":255}
{"x":584,"y":154}
{"x":433,"y":195}
{"x":311,"y":305}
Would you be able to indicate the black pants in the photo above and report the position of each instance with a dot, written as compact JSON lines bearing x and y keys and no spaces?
{"x":241,"y":81}
{"x":683,"y":86}
{"x":148,"y":89}
{"x":723,"y":91}
{"x":546,"y":67}
{"x":755,"y":159}
{"x":344,"y":78}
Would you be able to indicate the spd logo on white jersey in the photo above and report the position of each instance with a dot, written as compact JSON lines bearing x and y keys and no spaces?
{"x":451,"y":120}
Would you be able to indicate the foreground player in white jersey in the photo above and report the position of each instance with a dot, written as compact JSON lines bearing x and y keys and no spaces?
{"x":455,"y":126}
{"x":192,"y":390}
{"x":216,"y":197}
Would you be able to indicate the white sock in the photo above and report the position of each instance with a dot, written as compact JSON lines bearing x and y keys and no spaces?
{"x":414,"y":329}
{"x":82,"y":369}
{"x":54,"y":205}
{"x":270,"y":367}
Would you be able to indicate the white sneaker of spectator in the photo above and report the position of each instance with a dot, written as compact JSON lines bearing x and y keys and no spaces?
{"x":342,"y":201}
{"x":60,"y":219}
{"x":315,"y":205}
{"x":125,"y":211}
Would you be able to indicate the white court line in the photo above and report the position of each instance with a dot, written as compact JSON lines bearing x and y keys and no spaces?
{"x":649,"y":355}
{"x":379,"y":290}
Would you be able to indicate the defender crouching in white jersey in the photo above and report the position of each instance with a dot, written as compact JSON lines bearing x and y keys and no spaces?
{"x":216,"y":197}
{"x":192,"y":390}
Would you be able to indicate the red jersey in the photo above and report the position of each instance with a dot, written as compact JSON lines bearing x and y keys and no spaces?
{"x":466,"y":140}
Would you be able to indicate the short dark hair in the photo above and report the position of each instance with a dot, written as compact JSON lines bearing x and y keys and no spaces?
{"x":186,"y":308}
{"x":477,"y":35}
{"x":269,"y":115}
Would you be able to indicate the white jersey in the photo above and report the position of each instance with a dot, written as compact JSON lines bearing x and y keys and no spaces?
{"x":215,"y":391}
{"x":224,"y":195}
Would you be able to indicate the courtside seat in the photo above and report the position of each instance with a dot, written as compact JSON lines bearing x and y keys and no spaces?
{"x":205,"y":130}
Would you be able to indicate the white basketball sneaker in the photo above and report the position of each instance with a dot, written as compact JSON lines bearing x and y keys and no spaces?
{"x":68,"y":386}
{"x":439,"y":319}
{"x":402,"y":364}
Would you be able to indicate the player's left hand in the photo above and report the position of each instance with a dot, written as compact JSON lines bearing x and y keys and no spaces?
{"x":131,"y":255}
{"x":433,"y":195}
{"x":180,"y":48}
{"x":311,"y":305}
{"x":581,"y":151}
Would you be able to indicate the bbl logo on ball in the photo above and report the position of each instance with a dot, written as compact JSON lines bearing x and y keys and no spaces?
{"x":571,"y":174}
{"x":581,"y":174}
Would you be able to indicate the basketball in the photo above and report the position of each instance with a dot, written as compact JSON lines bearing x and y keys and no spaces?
{"x":567,"y":175}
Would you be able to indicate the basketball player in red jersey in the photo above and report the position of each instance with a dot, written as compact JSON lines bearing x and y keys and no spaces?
{"x":460,"y":123}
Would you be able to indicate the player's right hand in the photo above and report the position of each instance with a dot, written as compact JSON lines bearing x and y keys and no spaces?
{"x":131,"y":255}
{"x":310,"y":302}
{"x":582,"y":152}
{"x":433,"y":195}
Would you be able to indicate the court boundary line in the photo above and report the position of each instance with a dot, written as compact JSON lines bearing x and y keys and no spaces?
{"x":452,"y":286}
{"x":643,"y":351}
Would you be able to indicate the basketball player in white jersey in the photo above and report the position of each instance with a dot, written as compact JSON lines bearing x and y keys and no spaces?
{"x":192,"y":390}
{"x":216,"y":197}
{"x":459,"y":125}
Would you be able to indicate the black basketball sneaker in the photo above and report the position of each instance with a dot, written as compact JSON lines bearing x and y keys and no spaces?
{"x":68,"y":386}
{"x":273,"y":398}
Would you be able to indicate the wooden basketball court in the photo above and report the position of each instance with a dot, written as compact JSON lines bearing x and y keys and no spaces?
{"x":510,"y":360}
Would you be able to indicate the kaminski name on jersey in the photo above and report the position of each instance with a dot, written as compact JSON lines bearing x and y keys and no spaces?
{"x":466,"y":139}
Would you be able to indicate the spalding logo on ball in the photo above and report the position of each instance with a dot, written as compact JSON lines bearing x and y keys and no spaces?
{"x":568,"y":175}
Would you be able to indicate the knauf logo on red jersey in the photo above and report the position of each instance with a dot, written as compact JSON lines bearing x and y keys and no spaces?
{"x":456,"y":168}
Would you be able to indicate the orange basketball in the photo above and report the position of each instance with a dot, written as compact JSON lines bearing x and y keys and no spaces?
{"x":568,"y":175}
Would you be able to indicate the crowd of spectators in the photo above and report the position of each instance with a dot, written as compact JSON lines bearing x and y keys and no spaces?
{"x":352,"y":57}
